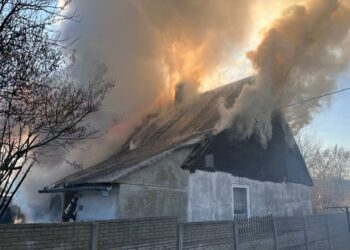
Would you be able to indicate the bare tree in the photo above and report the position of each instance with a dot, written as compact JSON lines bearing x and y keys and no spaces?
{"x":41,"y":106}
{"x":329,"y":167}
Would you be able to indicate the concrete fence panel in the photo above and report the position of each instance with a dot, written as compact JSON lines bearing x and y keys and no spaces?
{"x":338,"y":230}
{"x":45,"y":236}
{"x":207,"y":235}
{"x":149,"y":233}
{"x":290,"y":233}
{"x":315,"y":232}
{"x":318,"y":232}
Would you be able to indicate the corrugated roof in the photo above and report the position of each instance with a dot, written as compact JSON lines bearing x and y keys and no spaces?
{"x":168,"y":130}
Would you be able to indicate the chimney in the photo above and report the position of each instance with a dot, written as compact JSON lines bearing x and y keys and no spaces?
{"x":184,"y":91}
{"x":179,"y":94}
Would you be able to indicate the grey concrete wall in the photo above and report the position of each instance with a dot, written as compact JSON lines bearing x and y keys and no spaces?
{"x":98,"y":206}
{"x":157,"y":190}
{"x":210,"y":197}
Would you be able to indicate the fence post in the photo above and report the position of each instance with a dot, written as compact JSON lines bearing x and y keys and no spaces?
{"x":94,"y":235}
{"x":348,"y":217}
{"x":275,"y":233}
{"x":235,"y":235}
{"x":180,"y":232}
{"x":329,"y":234}
{"x":306,"y":234}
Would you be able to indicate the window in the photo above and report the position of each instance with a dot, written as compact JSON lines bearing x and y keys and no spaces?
{"x":209,"y":161}
{"x":241,"y":201}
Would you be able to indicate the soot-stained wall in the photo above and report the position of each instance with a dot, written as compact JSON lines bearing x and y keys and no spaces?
{"x":210,"y":197}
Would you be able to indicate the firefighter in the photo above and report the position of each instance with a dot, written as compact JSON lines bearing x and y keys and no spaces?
{"x":70,"y":213}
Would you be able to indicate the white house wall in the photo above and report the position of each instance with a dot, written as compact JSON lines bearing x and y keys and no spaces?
{"x":96,"y":206}
{"x":210,"y":197}
{"x":165,"y":189}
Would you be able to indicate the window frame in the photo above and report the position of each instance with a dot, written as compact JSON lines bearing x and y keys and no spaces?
{"x":233,"y":198}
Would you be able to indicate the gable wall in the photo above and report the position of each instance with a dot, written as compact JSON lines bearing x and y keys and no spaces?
{"x":280,"y":161}
{"x":157,"y":190}
{"x":210,"y":197}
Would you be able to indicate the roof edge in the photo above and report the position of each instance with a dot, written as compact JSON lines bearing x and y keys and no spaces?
{"x":123,"y":172}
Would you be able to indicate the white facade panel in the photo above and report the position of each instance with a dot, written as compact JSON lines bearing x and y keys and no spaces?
{"x":210,"y":197}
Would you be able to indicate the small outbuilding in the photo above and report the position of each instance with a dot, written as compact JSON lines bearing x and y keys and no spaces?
{"x":176,"y":165}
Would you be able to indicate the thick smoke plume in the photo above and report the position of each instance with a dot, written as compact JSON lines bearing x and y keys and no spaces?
{"x":300,"y":56}
{"x":149,"y":46}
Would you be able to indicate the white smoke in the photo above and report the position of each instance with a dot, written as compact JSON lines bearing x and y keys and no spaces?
{"x":36,"y":206}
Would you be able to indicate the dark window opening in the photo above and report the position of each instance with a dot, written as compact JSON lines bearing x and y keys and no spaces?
{"x":240,"y":202}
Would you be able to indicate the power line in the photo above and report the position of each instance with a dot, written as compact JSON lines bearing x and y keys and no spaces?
{"x":315,"y":98}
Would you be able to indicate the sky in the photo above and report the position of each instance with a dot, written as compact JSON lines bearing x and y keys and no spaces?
{"x":332,"y":123}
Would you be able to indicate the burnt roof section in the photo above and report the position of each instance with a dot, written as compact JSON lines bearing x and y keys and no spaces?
{"x":191,"y":120}
{"x":190,"y":124}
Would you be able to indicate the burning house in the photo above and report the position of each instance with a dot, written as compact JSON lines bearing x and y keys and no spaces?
{"x":177,"y":164}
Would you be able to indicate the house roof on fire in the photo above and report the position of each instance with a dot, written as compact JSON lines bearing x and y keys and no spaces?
{"x":189,"y":124}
